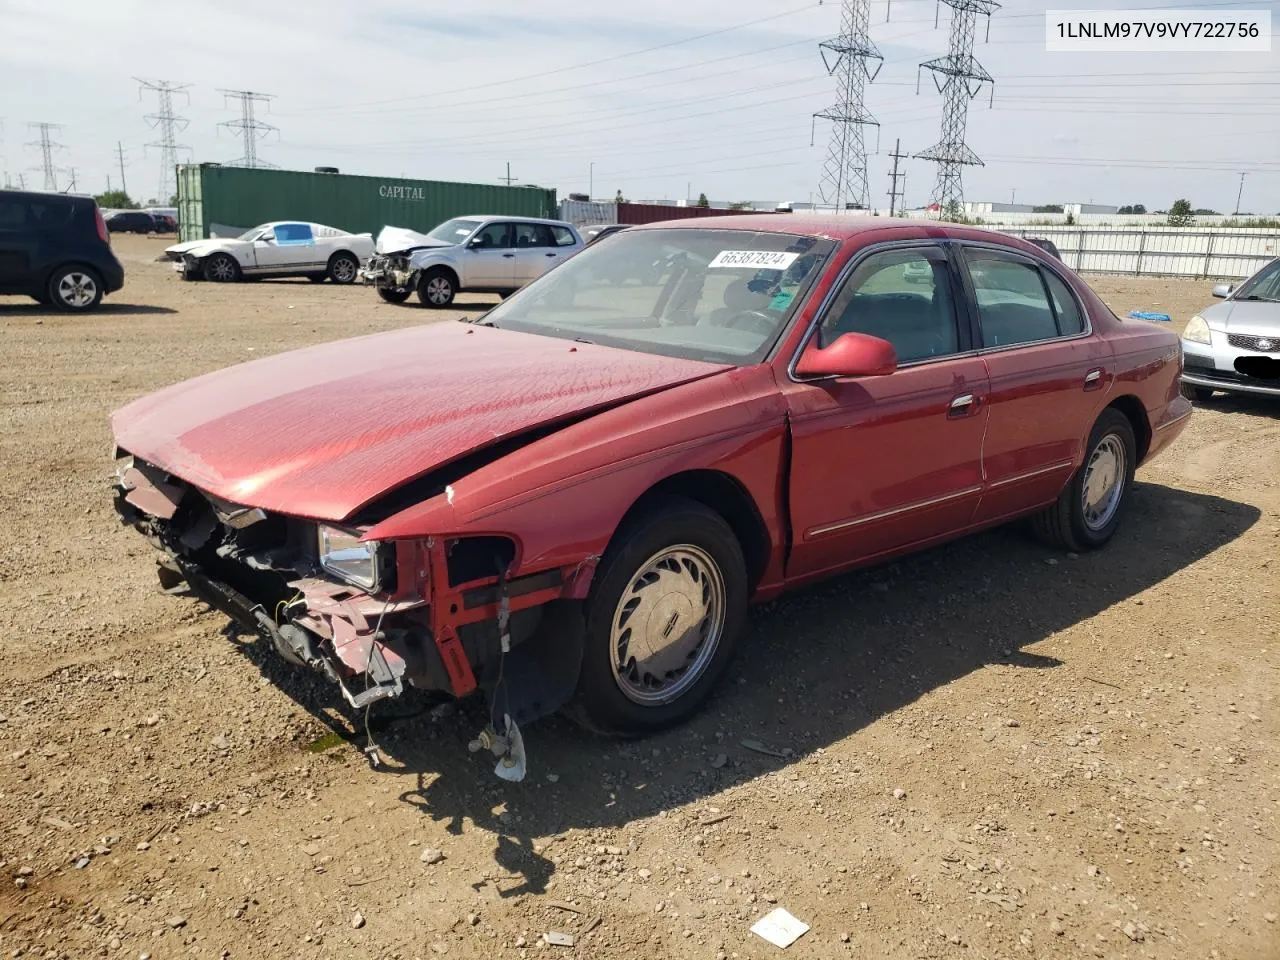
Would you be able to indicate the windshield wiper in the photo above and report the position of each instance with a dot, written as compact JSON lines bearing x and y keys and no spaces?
{"x":584,"y":340}
{"x":480,"y":321}
{"x":1255,"y":297}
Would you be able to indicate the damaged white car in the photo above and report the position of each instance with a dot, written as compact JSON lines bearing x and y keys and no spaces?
{"x":468,"y":254}
{"x":279,"y":249}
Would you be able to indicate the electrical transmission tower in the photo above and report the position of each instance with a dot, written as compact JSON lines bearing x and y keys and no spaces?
{"x":959,"y":78}
{"x":168,"y":124}
{"x":894,"y":193}
{"x":248,"y":126}
{"x":847,"y":58}
{"x":47,"y":146}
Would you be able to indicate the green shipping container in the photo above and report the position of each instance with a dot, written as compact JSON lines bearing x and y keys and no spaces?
{"x":209,"y":195}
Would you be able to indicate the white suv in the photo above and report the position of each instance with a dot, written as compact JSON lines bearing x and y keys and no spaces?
{"x":475,"y":254}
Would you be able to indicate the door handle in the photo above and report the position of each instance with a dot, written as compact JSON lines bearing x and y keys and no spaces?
{"x":507,"y":256}
{"x":1093,"y":379}
{"x":963,"y":405}
{"x":553,"y":254}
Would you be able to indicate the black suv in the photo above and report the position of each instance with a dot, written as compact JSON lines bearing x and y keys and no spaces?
{"x":131,"y":221}
{"x":56,"y":249}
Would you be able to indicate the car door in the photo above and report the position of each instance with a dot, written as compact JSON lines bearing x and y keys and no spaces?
{"x":1049,"y":376}
{"x":535,"y":251}
{"x":489,"y":261}
{"x":882,"y":463}
{"x":18,"y":240}
{"x":288,"y":248}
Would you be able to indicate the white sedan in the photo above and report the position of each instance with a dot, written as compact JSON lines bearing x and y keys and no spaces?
{"x":280,"y":249}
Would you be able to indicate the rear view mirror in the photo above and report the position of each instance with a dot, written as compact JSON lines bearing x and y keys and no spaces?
{"x":1223,"y":290}
{"x":851,"y":355}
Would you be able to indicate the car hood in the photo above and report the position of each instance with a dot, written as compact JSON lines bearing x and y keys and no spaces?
{"x":1244,"y":316}
{"x":323,"y":431}
{"x":401,"y":239}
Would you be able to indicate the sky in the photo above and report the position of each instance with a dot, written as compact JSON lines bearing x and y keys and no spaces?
{"x":660,"y":99}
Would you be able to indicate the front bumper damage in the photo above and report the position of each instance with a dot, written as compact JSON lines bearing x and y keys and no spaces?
{"x":392,"y":271}
{"x":441,"y":622}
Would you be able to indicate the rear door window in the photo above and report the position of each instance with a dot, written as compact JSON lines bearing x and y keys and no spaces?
{"x":533,"y":235}
{"x":1070,"y":319}
{"x":1013,"y":305}
{"x":35,"y":214}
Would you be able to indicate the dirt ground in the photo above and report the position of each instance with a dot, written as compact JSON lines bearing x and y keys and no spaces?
{"x":989,"y":750}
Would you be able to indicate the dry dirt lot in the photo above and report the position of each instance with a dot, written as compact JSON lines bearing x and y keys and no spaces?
{"x":990,"y":750}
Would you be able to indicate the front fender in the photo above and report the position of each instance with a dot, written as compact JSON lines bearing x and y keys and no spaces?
{"x":561,"y":498}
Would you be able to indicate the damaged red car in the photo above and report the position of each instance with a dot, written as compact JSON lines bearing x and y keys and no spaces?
{"x":571,"y":500}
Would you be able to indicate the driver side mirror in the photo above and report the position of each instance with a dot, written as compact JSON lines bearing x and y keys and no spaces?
{"x":475,"y":243}
{"x":1223,"y":290}
{"x":851,"y":355}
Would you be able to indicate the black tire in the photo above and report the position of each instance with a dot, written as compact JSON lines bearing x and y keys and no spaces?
{"x":221,"y":268}
{"x":344,"y":268}
{"x":437,"y":288}
{"x":601,"y":702}
{"x":75,"y":289}
{"x":393,"y":296}
{"x":1198,"y":394}
{"x":1064,"y":523}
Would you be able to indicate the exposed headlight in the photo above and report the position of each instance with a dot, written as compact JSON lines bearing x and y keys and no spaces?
{"x":343,"y":555}
{"x":1197,"y":331}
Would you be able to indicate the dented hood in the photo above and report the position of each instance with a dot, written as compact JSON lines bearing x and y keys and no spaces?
{"x":322,"y":431}
{"x":401,"y":239}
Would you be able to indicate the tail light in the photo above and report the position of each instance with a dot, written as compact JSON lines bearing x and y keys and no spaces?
{"x":102,"y":226}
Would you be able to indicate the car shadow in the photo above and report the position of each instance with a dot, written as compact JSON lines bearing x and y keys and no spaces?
{"x":1250,"y":403}
{"x":815,"y":667}
{"x":109,"y":307}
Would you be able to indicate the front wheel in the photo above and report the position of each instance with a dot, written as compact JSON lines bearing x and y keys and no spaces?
{"x":436,"y":288}
{"x":221,"y":268}
{"x":343,"y":268}
{"x":1088,"y":511}
{"x":663,"y":618}
{"x":391,"y":295}
{"x":75,"y":289}
{"x":1199,"y":394}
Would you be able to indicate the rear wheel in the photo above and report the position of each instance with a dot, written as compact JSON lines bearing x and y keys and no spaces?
{"x":343,"y":268}
{"x":75,"y":289}
{"x":1199,"y":394}
{"x":662,"y":620}
{"x":393,"y":296}
{"x":1089,"y":510}
{"x":221,"y":268}
{"x":436,"y":288}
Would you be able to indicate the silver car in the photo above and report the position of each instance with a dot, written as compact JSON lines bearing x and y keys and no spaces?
{"x":1235,"y":346}
{"x":478,"y":254}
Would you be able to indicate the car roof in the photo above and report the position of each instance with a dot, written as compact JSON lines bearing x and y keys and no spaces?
{"x":41,"y":194}
{"x":841,"y":227}
{"x":506,"y":219}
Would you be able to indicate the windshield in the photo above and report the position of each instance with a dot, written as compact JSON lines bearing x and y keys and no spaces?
{"x":254,"y":233}
{"x":702,"y":294}
{"x":454,"y":231}
{"x":1263,"y":285}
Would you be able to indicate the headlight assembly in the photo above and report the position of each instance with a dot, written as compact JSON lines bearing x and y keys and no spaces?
{"x":1197,"y":331}
{"x":342,"y":554}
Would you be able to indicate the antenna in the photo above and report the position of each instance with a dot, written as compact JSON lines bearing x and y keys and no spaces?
{"x":250,"y":128}
{"x":846,"y":57}
{"x":959,"y":78}
{"x":168,"y":123}
{"x":47,"y":146}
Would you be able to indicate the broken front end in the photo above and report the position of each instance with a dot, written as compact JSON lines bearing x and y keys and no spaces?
{"x":392,"y":272}
{"x":437,"y":613}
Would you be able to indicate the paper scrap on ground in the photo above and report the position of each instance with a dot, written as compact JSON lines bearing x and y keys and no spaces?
{"x":780,"y":928}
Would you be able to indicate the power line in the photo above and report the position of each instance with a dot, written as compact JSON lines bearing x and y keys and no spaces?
{"x":46,"y":146}
{"x":846,"y":57}
{"x":964,"y":79}
{"x":168,"y":124}
{"x":251,"y":129}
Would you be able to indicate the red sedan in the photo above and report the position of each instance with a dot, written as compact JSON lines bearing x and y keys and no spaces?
{"x":574,"y":497}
